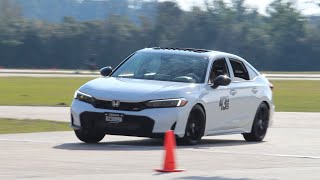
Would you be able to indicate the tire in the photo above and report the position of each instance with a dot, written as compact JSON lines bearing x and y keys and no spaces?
{"x":195,"y":127}
{"x":260,"y":125}
{"x":89,"y":135}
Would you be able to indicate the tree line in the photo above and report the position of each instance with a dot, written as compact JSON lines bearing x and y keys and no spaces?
{"x":282,"y":40}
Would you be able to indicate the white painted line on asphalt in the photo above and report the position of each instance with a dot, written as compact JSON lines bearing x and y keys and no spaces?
{"x":296,"y":79}
{"x":35,"y":73}
{"x":293,"y":75}
{"x":293,"y":156}
{"x":81,"y":71}
{"x":47,"y":71}
{"x":257,"y":154}
{"x":47,"y":75}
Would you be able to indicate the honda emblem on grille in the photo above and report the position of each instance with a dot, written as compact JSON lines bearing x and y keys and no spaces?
{"x":115,"y":103}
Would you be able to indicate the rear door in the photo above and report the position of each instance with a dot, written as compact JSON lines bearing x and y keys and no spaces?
{"x":242,"y":90}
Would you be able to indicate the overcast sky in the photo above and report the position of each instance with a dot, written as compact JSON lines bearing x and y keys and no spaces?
{"x":306,"y":6}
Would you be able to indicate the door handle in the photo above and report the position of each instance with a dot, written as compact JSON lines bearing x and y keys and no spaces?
{"x":254,"y":90}
{"x":233,"y":92}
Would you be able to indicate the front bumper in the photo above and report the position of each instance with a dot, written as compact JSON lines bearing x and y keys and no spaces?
{"x":144,"y":123}
{"x":130,"y":126}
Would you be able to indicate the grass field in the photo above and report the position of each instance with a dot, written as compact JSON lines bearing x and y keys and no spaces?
{"x":298,"y":96}
{"x":39,"y":91}
{"x":11,"y":126}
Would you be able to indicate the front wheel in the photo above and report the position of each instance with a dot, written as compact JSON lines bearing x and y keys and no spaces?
{"x":260,"y":124}
{"x":195,"y":127}
{"x":89,"y":135}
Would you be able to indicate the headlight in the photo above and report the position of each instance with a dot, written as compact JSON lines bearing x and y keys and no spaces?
{"x":83,"y":97}
{"x":166,"y":103}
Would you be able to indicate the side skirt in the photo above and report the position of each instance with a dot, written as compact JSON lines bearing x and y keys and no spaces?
{"x":225,"y":132}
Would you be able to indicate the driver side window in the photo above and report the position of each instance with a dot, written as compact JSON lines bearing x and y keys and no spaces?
{"x":219,"y":67}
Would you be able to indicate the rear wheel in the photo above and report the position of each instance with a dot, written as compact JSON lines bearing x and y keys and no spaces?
{"x":195,"y":127}
{"x":89,"y":135}
{"x":260,"y":124}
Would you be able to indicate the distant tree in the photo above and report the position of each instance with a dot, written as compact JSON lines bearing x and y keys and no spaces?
{"x":66,"y":33}
{"x":286,"y":27}
{"x":167,"y":23}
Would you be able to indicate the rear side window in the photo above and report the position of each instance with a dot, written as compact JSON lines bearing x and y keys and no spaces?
{"x":239,"y":70}
{"x":252,"y":73}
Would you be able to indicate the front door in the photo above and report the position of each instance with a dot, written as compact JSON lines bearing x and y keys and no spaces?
{"x":218,"y":100}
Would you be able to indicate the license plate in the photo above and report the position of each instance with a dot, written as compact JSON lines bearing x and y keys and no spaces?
{"x":114,"y":118}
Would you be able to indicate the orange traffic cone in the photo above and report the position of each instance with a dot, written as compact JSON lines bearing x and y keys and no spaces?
{"x":169,"y":161}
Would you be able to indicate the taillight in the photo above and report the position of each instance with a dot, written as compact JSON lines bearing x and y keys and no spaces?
{"x":271,"y":86}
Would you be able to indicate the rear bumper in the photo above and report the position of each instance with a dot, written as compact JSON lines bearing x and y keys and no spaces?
{"x":272,"y":110}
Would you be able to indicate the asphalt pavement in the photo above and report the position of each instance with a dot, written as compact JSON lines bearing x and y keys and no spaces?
{"x":290,"y":151}
{"x":35,"y":112}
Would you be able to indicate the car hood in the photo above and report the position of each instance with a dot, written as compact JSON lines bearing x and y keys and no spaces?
{"x":136,"y":90}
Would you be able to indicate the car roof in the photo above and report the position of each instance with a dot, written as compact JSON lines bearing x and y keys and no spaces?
{"x":191,"y":51}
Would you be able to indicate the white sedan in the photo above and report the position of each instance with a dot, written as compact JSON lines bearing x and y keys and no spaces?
{"x":194,"y":92}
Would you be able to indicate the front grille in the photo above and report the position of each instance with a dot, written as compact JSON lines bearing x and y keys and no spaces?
{"x":131,"y":126}
{"x":124,"y":106}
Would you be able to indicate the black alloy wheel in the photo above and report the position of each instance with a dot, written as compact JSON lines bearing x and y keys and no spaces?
{"x":260,"y":124}
{"x":195,"y":127}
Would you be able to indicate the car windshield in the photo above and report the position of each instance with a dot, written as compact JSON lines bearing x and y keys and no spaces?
{"x":164,"y":67}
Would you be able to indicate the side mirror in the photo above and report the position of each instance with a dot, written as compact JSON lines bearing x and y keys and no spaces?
{"x":221,"y":80}
{"x":106,"y":71}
